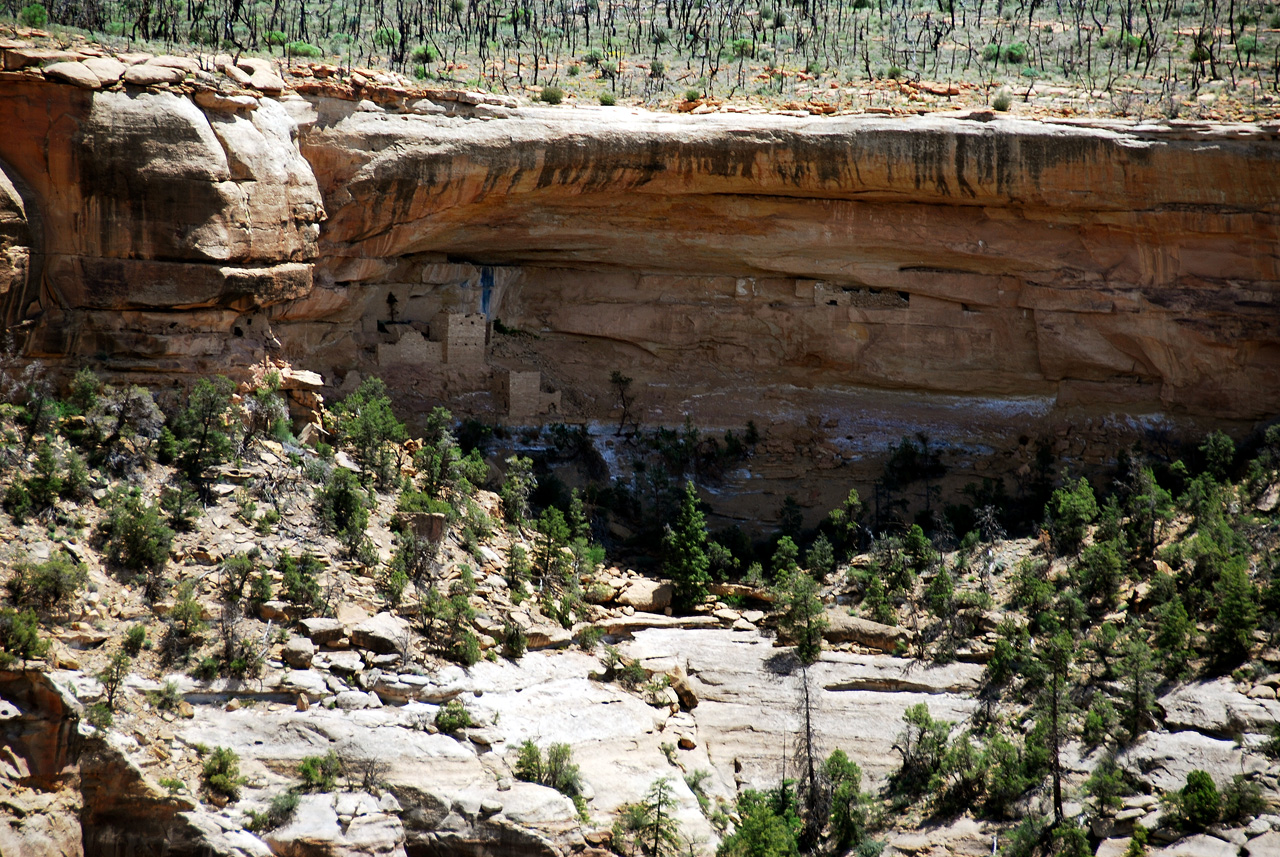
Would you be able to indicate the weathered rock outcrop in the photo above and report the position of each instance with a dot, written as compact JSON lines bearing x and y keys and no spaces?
{"x":1124,"y":265}
{"x":1115,"y":264}
{"x":38,"y":727}
{"x":161,"y":229}
{"x":67,"y":794}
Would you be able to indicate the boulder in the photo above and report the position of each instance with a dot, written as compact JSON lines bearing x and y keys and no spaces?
{"x":1257,"y":827}
{"x":1270,"y":499}
{"x":239,"y":77}
{"x":74,"y":73}
{"x":18,"y":58}
{"x":1266,"y":845}
{"x":424,"y":107}
{"x":262,"y":75}
{"x":108,"y":69}
{"x":426,"y":525}
{"x":844,"y":628}
{"x":152,"y":75}
{"x":651,"y":596}
{"x":298,"y":653}
{"x":212,"y":99}
{"x":345,"y":664}
{"x":547,"y":636}
{"x":384,"y":633}
{"x":355,"y":700}
{"x":322,"y":631}
{"x":273,"y":611}
{"x":186,"y":64}
{"x":1200,"y":845}
{"x":683,"y":689}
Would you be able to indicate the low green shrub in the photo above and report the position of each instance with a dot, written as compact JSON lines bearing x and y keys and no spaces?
{"x":320,"y":773}
{"x":278,"y":812}
{"x":46,"y":585}
{"x":220,"y":773}
{"x":556,"y":769}
{"x":452,"y":716}
{"x":20,"y":636}
{"x":134,"y":639}
{"x":33,"y":15}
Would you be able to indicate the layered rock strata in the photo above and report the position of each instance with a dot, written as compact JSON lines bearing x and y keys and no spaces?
{"x":179,"y":227}
{"x":1121,"y":264}
{"x":163,"y":228}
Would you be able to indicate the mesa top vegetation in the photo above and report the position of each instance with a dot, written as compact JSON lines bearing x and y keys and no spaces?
{"x":1191,"y":59}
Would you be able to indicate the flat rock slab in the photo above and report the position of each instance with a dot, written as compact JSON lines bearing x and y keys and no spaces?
{"x":75,"y":73}
{"x":844,"y":628}
{"x":1218,"y":708}
{"x":965,"y":837}
{"x":1163,"y":759}
{"x":151,"y":75}
{"x":383,"y":633}
{"x":747,"y":690}
{"x":842,"y":671}
{"x":322,"y":631}
{"x":1266,"y":845}
{"x":107,"y":69}
{"x":1201,"y":845}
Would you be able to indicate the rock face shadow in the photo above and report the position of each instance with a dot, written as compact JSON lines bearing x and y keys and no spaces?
{"x":783,"y":663}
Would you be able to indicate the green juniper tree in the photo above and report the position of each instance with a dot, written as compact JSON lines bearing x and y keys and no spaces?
{"x":1174,"y":635}
{"x":801,"y":614}
{"x":516,"y":488}
{"x":820,"y":558}
{"x":1056,"y":655}
{"x":767,"y":825}
{"x":438,"y":462}
{"x":366,"y":424}
{"x":1138,"y":678}
{"x":684,"y":551}
{"x":1232,"y":634}
{"x":549,"y":561}
{"x":1071,"y":509}
{"x":843,"y":523}
{"x":203,"y":430}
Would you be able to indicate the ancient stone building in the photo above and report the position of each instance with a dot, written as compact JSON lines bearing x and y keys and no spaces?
{"x":520,"y":393}
{"x":462,"y":337}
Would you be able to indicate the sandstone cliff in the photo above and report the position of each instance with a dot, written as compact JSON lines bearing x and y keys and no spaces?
{"x":1134,"y":264}
{"x":1117,"y":264}
{"x":161,"y":227}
